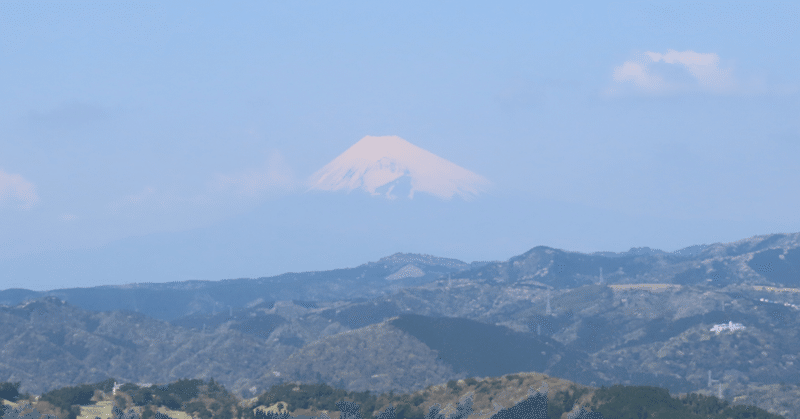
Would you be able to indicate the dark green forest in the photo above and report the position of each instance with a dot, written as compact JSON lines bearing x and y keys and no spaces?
{"x":638,"y":402}
{"x":209,"y":399}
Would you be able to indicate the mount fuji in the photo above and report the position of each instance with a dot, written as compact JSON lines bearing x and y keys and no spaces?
{"x":375,"y":163}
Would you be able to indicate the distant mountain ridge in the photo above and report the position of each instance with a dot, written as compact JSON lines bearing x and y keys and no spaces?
{"x":771,"y":260}
{"x":404,"y":258}
{"x":168,"y":301}
{"x":689,"y":251}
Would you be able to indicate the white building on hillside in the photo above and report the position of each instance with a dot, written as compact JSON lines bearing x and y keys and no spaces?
{"x":719,"y":328}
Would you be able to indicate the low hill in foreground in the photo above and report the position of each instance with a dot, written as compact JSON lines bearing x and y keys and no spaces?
{"x":493,"y":397}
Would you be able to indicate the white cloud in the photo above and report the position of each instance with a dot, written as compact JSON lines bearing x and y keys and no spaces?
{"x":704,"y":67}
{"x":639,"y":75}
{"x":220,"y":196}
{"x":653,"y":72}
{"x":16,"y":191}
{"x":274,"y":177}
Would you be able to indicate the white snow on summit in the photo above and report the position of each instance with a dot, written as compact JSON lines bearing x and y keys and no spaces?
{"x":374,"y":162}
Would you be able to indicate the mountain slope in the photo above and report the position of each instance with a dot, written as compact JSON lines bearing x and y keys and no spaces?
{"x":48,"y":344}
{"x":172,"y":300}
{"x":760,"y":260}
{"x":409,"y":352}
{"x":378,"y":358}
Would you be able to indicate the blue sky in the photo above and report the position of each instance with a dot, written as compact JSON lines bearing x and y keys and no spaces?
{"x":149,"y":142}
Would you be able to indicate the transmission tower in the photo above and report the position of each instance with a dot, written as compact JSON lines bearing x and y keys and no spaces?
{"x":548,"y":311}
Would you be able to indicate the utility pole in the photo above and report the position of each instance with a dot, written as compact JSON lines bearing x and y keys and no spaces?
{"x":601,"y":275}
{"x":548,"y":311}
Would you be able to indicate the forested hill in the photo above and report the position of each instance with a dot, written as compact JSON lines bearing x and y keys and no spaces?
{"x":507,"y":397}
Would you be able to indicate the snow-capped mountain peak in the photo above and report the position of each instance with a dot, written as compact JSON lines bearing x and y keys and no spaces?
{"x":375,"y":162}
